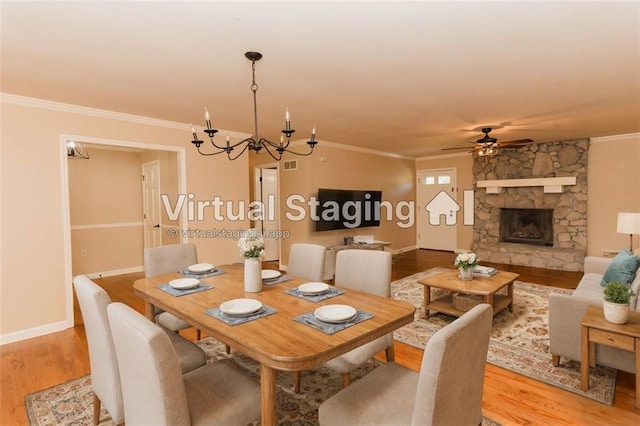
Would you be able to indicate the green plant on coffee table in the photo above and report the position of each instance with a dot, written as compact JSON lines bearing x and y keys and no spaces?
{"x":616,"y":292}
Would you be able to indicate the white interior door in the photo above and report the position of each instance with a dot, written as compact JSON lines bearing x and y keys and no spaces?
{"x":266,"y":191}
{"x":151,"y":204}
{"x":437,"y":209}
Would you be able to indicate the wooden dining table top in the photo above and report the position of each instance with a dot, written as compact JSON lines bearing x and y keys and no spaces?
{"x":276,"y":340}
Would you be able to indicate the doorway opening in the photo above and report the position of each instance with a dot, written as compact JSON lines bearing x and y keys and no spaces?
{"x":93,"y":230}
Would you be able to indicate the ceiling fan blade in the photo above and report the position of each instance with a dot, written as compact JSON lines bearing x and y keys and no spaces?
{"x":516,"y":142}
{"x":459,"y":147}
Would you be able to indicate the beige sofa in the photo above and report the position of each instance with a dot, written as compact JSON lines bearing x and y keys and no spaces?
{"x":566,"y":312}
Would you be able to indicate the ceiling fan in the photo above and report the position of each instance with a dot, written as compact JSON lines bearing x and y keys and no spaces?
{"x":488,"y":146}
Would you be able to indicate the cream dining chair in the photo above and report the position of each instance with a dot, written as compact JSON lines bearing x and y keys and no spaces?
{"x":368,"y":271}
{"x":306,"y":261}
{"x":154,"y":391}
{"x":105,"y":378}
{"x":446,"y":391}
{"x":170,"y":258}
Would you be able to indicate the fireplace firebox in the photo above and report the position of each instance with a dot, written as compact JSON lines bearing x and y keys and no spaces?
{"x":527,"y":226}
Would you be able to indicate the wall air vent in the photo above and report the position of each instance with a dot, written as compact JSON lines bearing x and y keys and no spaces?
{"x":290,"y":165}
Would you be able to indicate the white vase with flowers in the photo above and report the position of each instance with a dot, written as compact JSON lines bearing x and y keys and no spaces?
{"x":251,"y":245}
{"x":465,"y":262}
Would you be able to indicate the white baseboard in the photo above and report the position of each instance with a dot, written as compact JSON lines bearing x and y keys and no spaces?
{"x":34,"y":332}
{"x":114,"y":272}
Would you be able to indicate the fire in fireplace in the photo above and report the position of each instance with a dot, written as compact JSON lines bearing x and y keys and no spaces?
{"x":527,"y":226}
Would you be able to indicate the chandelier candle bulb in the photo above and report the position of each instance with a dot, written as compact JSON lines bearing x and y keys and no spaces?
{"x":207,"y":119}
{"x":313,"y":134}
{"x":287,"y":120}
{"x":195,"y":135}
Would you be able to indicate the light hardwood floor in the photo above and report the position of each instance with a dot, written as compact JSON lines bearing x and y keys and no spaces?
{"x":509,"y":398}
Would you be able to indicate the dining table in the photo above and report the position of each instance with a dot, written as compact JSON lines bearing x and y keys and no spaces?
{"x":280,"y":340}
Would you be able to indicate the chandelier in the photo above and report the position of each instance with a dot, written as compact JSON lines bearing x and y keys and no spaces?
{"x":255,"y":143}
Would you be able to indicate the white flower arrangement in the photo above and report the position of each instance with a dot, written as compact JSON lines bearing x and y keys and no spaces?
{"x":251,"y":243}
{"x":466,"y":260}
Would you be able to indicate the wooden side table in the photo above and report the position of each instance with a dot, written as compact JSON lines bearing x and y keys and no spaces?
{"x":622,"y":336}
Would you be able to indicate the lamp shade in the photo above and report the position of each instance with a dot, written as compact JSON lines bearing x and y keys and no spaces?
{"x":628,"y":223}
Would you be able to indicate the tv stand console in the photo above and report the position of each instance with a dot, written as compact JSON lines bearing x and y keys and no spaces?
{"x":330,"y":259}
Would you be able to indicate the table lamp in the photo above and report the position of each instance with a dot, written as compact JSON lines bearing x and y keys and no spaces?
{"x":629,"y":223}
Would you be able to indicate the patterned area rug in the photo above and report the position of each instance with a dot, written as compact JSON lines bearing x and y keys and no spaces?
{"x":519,"y":339}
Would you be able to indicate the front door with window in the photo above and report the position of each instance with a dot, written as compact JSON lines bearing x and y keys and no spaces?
{"x":437,"y":209}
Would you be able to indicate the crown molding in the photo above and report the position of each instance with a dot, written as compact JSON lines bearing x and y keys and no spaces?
{"x":623,"y":137}
{"x":102,"y":113}
{"x":441,"y":156}
{"x":359,"y":149}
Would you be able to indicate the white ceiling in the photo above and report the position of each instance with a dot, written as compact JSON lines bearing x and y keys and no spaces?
{"x":402,"y":77}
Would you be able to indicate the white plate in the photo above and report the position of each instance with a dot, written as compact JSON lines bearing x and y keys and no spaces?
{"x":184,"y":283}
{"x":313,"y":288}
{"x":240,"y":307}
{"x":270,"y":274}
{"x":335,"y":313}
{"x":200,"y":268}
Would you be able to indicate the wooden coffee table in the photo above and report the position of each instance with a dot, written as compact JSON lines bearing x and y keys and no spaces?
{"x":481,"y":286}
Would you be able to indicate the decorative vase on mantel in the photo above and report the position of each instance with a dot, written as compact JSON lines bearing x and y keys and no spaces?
{"x":466,"y":274}
{"x":252,"y":274}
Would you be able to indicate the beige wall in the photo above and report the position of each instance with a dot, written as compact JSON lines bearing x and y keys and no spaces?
{"x":105,"y":200}
{"x":613,"y":186}
{"x":33,"y":236}
{"x":337,"y":168}
{"x":463,"y":165}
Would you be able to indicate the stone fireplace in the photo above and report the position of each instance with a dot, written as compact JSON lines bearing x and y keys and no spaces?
{"x":561,"y":242}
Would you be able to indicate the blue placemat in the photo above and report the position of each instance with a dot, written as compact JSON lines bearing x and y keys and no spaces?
{"x":281,"y":279}
{"x":186,"y":273}
{"x":328,"y":327}
{"x":235,"y":320}
{"x":332,"y":292}
{"x":176,"y":292}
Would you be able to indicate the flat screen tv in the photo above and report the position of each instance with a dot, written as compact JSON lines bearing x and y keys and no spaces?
{"x":347,"y":209}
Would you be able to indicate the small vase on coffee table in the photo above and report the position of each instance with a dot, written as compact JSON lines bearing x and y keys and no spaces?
{"x":466,"y":274}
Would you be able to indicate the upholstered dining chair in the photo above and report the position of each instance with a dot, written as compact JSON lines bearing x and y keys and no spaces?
{"x":105,"y":378}
{"x":306,"y":261}
{"x":446,"y":391}
{"x":170,"y":258}
{"x":155,"y":392}
{"x":368,"y":271}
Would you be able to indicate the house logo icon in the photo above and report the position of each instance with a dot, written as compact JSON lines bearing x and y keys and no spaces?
{"x":444,"y":205}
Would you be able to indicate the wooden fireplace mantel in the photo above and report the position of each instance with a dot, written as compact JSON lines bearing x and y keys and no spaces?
{"x":551,"y":185}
